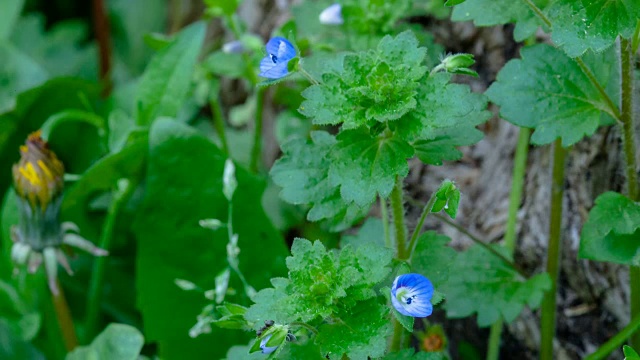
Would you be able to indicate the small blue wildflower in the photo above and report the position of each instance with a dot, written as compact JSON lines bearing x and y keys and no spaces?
{"x":267,"y":349}
{"x":332,"y":15}
{"x":233,"y":47}
{"x":279,"y":52}
{"x":411,"y":295}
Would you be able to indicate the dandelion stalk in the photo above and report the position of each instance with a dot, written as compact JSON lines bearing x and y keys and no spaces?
{"x":65,"y":321}
{"x":121,"y":197}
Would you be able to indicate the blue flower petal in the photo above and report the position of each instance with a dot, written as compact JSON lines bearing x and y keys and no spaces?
{"x":411,"y":295}
{"x":279,"y":52}
{"x":332,"y":15}
{"x":267,"y":349}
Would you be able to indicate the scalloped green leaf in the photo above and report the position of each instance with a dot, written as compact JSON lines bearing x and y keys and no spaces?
{"x":560,"y":100}
{"x":444,"y":146}
{"x":483,"y":284}
{"x":581,"y":25}
{"x":116,"y":342}
{"x":364,"y":166}
{"x":612,"y":230}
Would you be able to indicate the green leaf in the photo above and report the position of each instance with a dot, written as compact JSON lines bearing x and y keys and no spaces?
{"x":222,"y":7}
{"x":371,"y":232}
{"x":480,"y":282}
{"x":443,"y":147}
{"x":183,"y":186}
{"x":364,"y":166}
{"x":361,"y":335}
{"x":433,"y":258}
{"x":404,"y":320}
{"x":445,"y":107}
{"x":408,"y":354}
{"x":581,"y":25}
{"x":116,"y":342}
{"x":497,"y":12}
{"x":447,"y":198}
{"x":629,"y":353}
{"x":321,"y":283}
{"x":164,"y":84}
{"x":303,"y":174}
{"x":9,"y":13}
{"x":375,"y":86}
{"x":558,"y":96}
{"x":17,"y":74}
{"x":612,"y":230}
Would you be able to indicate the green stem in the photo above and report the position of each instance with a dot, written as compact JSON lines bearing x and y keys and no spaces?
{"x":218,"y":123}
{"x":548,"y":321}
{"x":515,"y":198}
{"x":304,"y":72}
{"x":306,"y":326}
{"x":629,"y":146}
{"x":256,"y":149}
{"x":482,"y":244}
{"x":397,"y":209}
{"x":65,"y":321}
{"x":636,"y":39}
{"x":616,"y":341}
{"x":385,"y":222}
{"x":538,"y":13}
{"x":121,"y":197}
{"x":416,"y":232}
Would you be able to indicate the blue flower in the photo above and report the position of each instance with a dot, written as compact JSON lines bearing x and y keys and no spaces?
{"x":411,"y":295}
{"x":267,"y":349}
{"x":332,"y":15}
{"x":279,"y":52}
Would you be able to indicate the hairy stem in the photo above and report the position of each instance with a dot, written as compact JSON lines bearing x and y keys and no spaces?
{"x":256,"y":149}
{"x":65,"y":321}
{"x":103,"y":37}
{"x":616,"y":341}
{"x":385,"y":222}
{"x":538,"y":12}
{"x":94,"y":301}
{"x":398,"y":335}
{"x":629,"y":146}
{"x":397,"y":210}
{"x":416,"y":232}
{"x":548,"y":321}
{"x":218,"y":123}
{"x":515,"y":198}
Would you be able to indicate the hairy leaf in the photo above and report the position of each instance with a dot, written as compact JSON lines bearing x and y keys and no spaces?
{"x":611,"y":233}
{"x":482,"y":283}
{"x":581,"y":25}
{"x":560,"y":100}
{"x":443,"y":147}
{"x":433,"y":258}
{"x":116,"y":342}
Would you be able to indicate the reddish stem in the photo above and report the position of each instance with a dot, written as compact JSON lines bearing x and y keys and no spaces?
{"x":102,"y":32}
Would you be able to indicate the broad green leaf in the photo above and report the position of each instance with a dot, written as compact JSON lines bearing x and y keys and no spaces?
{"x":560,"y":100}
{"x":361,"y":335}
{"x":404,"y":320}
{"x":321,"y":283}
{"x":371,"y":232}
{"x":61,"y":50}
{"x":9,"y":13}
{"x":17,"y":74}
{"x":581,"y":25}
{"x":497,"y":12}
{"x":612,"y":230}
{"x":166,"y":80}
{"x":447,"y":197}
{"x":183,"y":186}
{"x":15,"y":348}
{"x":433,"y":258}
{"x":120,"y":127}
{"x":116,"y":342}
{"x":364,"y":166}
{"x":629,"y":353}
{"x":445,"y":108}
{"x":443,"y":147}
{"x":480,"y":282}
{"x":303,"y":174}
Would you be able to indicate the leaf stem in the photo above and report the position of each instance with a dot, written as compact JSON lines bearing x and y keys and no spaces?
{"x":629,"y":146}
{"x":256,"y":149}
{"x":218,"y":123}
{"x":385,"y":222}
{"x":548,"y":322}
{"x":63,"y":314}
{"x":538,"y":13}
{"x":306,"y":326}
{"x":121,"y":197}
{"x":613,"y":110}
{"x":397,"y":209}
{"x":616,"y":341}
{"x":304,"y":72}
{"x":515,"y":199}
{"x":635,"y":42}
{"x":398,"y":335}
{"x":482,"y":244}
{"x":425,"y":211}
